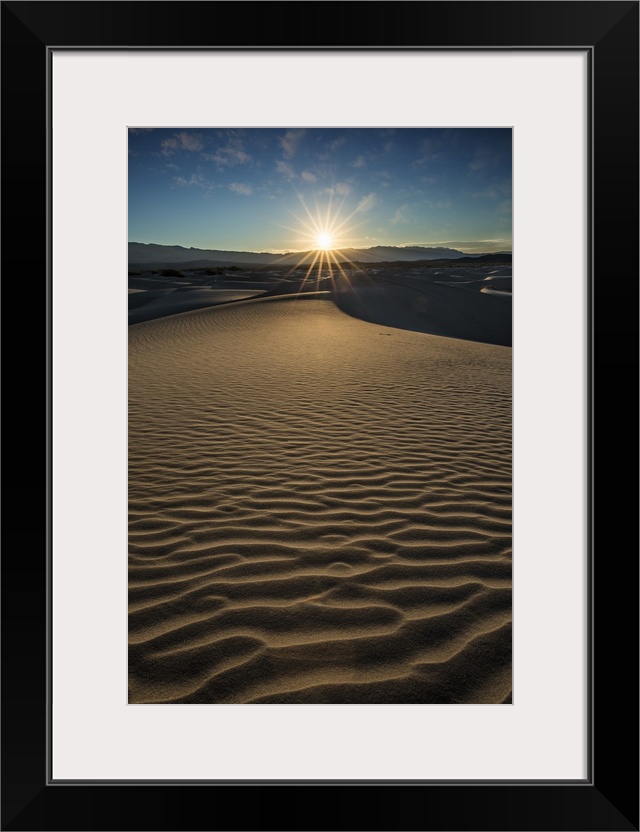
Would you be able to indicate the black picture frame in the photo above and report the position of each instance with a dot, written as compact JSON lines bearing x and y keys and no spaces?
{"x":608,"y":798}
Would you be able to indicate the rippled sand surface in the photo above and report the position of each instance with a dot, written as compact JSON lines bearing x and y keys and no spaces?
{"x":320,"y":510}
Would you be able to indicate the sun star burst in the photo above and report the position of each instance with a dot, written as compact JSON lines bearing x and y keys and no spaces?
{"x":324,"y":241}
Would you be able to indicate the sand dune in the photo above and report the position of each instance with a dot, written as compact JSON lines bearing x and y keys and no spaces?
{"x":427,"y":306}
{"x":161,"y":304}
{"x":320,"y":506}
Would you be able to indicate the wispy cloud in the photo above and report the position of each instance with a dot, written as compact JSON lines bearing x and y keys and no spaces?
{"x":229,"y":154}
{"x":290,"y":141}
{"x":340,"y":189}
{"x":367,"y":203}
{"x":169,"y":146}
{"x":181,"y":141}
{"x":190,"y":142}
{"x":308,"y":176}
{"x":359,"y":162}
{"x":430,"y":151}
{"x":285,"y":169}
{"x":241,"y":188}
{"x":194,"y":179}
{"x":336,"y":143}
{"x":383,"y":175}
{"x":402,"y":215}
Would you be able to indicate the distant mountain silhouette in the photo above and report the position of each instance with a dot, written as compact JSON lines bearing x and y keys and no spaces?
{"x":378,"y":254}
{"x":152,"y":254}
{"x":495,"y":257}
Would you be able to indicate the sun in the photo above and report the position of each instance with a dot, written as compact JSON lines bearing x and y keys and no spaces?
{"x":324,"y":241}
{"x":324,"y":232}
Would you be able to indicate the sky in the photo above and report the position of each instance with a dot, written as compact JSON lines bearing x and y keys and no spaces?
{"x":295,"y":189}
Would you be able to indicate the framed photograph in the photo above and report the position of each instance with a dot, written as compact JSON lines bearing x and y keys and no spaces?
{"x":328,"y":523}
{"x":483,"y":180}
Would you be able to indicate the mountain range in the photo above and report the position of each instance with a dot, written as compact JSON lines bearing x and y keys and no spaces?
{"x":152,"y":254}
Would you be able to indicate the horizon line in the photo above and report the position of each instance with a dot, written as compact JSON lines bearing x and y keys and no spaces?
{"x":506,"y":250}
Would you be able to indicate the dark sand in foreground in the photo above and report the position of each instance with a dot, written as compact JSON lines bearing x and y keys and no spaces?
{"x":320,"y":508}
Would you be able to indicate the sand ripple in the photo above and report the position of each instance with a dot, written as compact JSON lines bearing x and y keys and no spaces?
{"x":320,"y":510}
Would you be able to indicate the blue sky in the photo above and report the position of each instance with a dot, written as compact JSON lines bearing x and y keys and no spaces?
{"x":279,"y":189}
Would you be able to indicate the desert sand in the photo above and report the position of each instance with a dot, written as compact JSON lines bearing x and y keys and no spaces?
{"x":320,"y":496}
